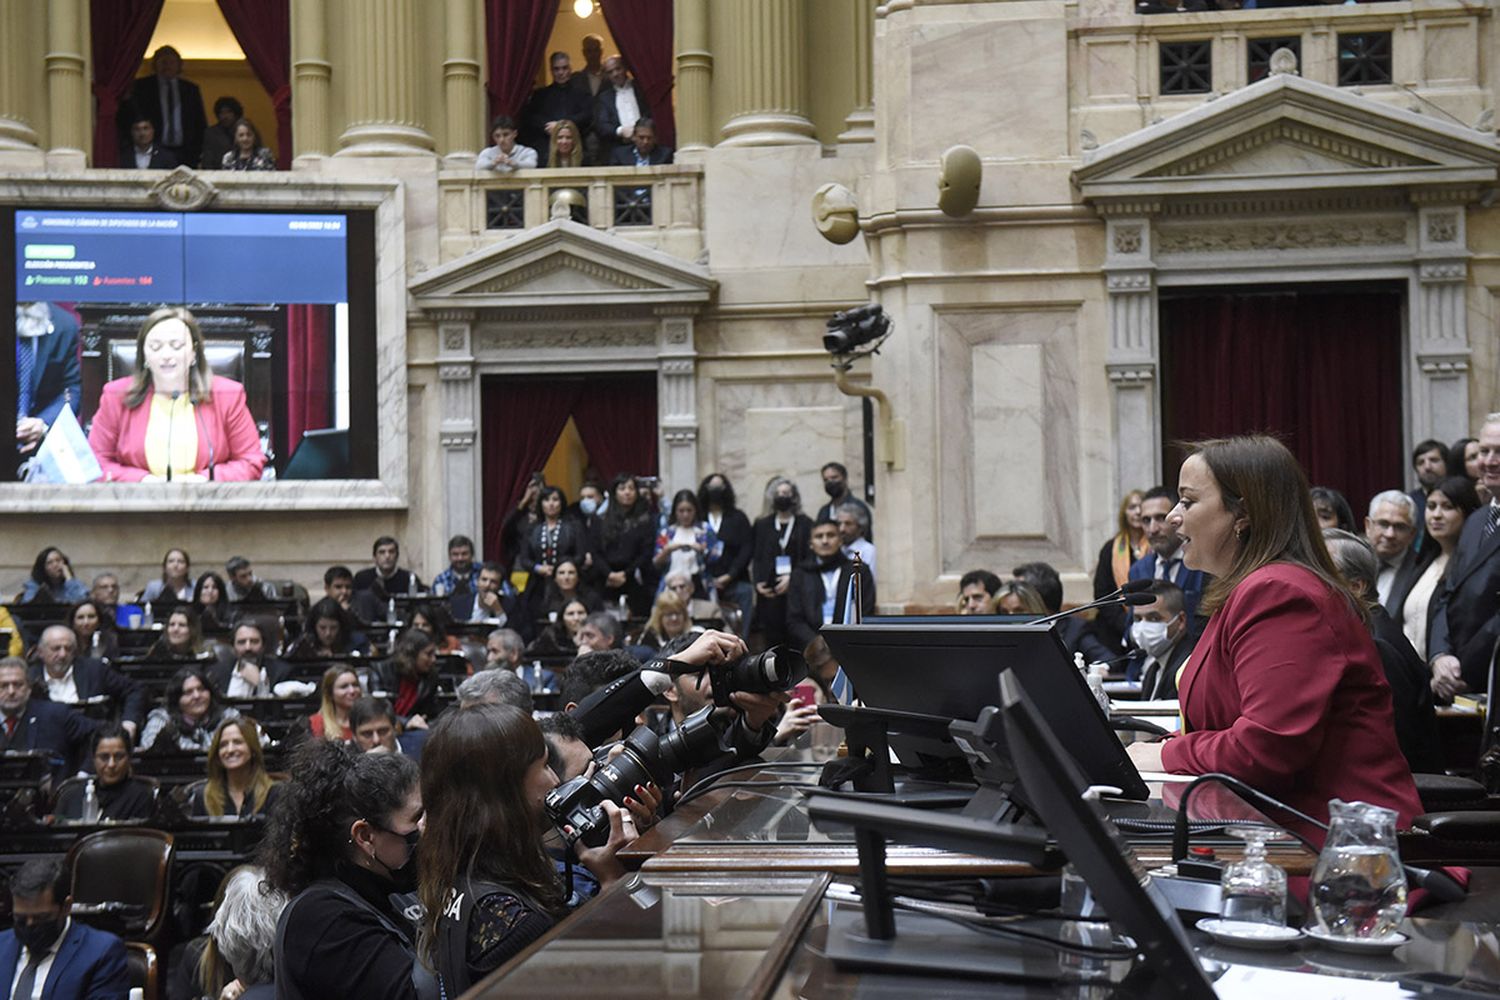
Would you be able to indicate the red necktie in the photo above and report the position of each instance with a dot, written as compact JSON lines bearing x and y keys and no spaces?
{"x":10,"y":726}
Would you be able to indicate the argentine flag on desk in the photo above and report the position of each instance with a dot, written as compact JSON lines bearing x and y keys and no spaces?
{"x":841,"y":688}
{"x":64,"y":455}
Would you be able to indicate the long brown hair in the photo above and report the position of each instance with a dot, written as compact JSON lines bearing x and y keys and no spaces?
{"x":216,"y":791}
{"x":200,"y":378}
{"x":1260,"y":480}
{"x":479,"y":822}
{"x":331,"y":728}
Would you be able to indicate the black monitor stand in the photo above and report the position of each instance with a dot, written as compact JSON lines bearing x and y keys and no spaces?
{"x":867,"y":734}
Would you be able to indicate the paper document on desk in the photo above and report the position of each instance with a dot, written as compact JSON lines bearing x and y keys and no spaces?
{"x":1164,"y":776}
{"x":1243,"y":982}
{"x":1162,"y":706}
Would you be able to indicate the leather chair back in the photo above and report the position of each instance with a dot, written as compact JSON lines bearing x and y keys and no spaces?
{"x":129,"y":865}
{"x":140,"y":965}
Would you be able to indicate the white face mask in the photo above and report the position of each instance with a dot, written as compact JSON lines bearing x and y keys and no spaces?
{"x":588,"y":505}
{"x":1151,"y":637}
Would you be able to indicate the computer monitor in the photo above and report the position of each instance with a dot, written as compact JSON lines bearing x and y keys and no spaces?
{"x":950,"y":670}
{"x":322,"y":454}
{"x":1055,"y":789}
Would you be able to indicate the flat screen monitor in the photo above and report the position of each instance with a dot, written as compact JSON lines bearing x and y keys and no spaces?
{"x":950,"y":670}
{"x":1055,"y":790}
{"x":284,"y":301}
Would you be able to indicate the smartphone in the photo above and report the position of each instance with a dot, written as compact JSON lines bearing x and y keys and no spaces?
{"x":806,"y":693}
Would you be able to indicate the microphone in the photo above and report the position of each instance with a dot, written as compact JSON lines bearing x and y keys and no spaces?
{"x":1133,"y":593}
{"x":172,"y":419}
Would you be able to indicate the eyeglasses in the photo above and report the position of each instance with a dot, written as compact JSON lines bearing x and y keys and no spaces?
{"x":1400,"y":527}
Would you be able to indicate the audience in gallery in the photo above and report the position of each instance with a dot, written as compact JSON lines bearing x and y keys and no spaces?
{"x":1429,"y":462}
{"x":566,"y":147}
{"x":643,"y":149}
{"x":504,"y":154}
{"x":1391,"y":527}
{"x":181,"y":638}
{"x":327,"y":632}
{"x":144,"y":152}
{"x":189,"y":715}
{"x":822,"y":590}
{"x":237,"y":783}
{"x":779,"y":543}
{"x":566,"y":585}
{"x":492,"y":599}
{"x":176,"y":582}
{"x":462,"y":573}
{"x":172,"y":104}
{"x":339,"y":689}
{"x":218,"y":138}
{"x":1466,"y":624}
{"x":559,"y":103}
{"x":619,"y":108}
{"x":552,"y":539}
{"x":976,"y":592}
{"x":626,"y":538}
{"x":242,"y":586}
{"x":1332,"y":509}
{"x":174,"y":420}
{"x":247,"y":152}
{"x":93,"y":631}
{"x":433,"y":618}
{"x":730,"y":570}
{"x":560,"y":638}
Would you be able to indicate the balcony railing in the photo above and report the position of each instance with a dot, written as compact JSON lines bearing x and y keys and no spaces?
{"x":660,"y":207}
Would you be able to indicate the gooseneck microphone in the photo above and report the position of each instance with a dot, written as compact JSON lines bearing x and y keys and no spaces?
{"x":1133,"y":593}
{"x":171,"y":419}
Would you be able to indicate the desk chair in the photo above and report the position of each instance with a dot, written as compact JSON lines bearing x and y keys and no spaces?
{"x":127,"y":866}
{"x":140,"y":963}
{"x":68,"y":801}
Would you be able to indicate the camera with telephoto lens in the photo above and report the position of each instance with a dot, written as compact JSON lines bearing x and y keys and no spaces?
{"x":646,"y":757}
{"x":776,"y":669}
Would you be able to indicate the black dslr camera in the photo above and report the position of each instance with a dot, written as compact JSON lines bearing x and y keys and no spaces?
{"x":776,"y":669}
{"x":647,"y":757}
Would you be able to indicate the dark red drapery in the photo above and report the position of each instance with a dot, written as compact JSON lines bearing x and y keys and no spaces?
{"x":520,"y":422}
{"x":515,"y":40}
{"x":1322,"y":371}
{"x":308,"y":394}
{"x":617,"y":420}
{"x":264,"y":30}
{"x":643,"y":30}
{"x":119,"y":31}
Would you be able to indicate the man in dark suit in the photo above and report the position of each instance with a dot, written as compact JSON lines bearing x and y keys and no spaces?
{"x":618,"y":106}
{"x":386,"y":579}
{"x":493,"y":600}
{"x":819,"y":593}
{"x":554,"y":103}
{"x":47,"y":373}
{"x":642,"y":150}
{"x":249,"y":671}
{"x":27,"y":723}
{"x":46,"y":953}
{"x":1164,"y":561}
{"x":173,"y":105}
{"x":1073,"y":631}
{"x":68,"y":678}
{"x":1390,"y":527}
{"x":1429,"y":460}
{"x":144,"y":153}
{"x":1467,"y":620}
{"x":1160,"y":631}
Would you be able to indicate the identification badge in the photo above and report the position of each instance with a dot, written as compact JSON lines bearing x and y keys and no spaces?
{"x":783,"y":565}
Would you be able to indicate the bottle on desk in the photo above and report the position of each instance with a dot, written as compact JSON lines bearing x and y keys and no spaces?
{"x":90,"y":803}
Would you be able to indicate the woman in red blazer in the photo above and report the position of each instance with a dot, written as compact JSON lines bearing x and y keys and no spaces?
{"x":1284,"y":690}
{"x":173,"y":395}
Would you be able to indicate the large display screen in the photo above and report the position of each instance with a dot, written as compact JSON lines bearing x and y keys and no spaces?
{"x":281,"y":308}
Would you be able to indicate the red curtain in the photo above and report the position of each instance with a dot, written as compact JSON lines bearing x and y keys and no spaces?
{"x":309,"y":397}
{"x":264,"y":30}
{"x":119,"y":31}
{"x":643,"y":30}
{"x":520,"y":422}
{"x":515,"y":41}
{"x":1321,"y":371}
{"x":617,"y":420}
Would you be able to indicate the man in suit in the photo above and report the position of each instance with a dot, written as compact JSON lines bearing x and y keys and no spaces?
{"x":45,"y":954}
{"x":1467,"y":620}
{"x":1390,"y":527}
{"x":144,"y":153}
{"x":554,"y":103}
{"x":1429,"y":460}
{"x":68,"y":678}
{"x":618,"y":106}
{"x":642,"y":150}
{"x":27,"y":723}
{"x":249,"y":671}
{"x":385,"y":579}
{"x":819,"y":593}
{"x":977,"y":589}
{"x":1160,"y":631}
{"x":47,"y":373}
{"x":489,"y":601}
{"x":173,"y":105}
{"x":1164,"y":561}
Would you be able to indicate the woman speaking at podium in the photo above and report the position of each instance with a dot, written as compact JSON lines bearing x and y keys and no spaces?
{"x":1284,"y":690}
{"x":174,"y":420}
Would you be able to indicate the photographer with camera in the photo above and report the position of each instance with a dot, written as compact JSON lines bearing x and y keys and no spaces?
{"x":486,"y":881}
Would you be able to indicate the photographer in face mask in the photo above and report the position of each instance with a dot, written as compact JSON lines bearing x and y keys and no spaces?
{"x":45,"y":953}
{"x":342,"y":841}
{"x":1159,"y":630}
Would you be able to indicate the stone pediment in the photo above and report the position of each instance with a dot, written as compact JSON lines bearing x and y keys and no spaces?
{"x":1283,"y":135}
{"x":565,"y":265}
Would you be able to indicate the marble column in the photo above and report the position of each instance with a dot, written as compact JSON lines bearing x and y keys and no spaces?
{"x":17,"y":134}
{"x":68,"y":98}
{"x":311,"y":73}
{"x":465,"y":130}
{"x":1439,"y":326}
{"x":381,"y":96}
{"x":860,"y":125}
{"x":459,"y":423}
{"x":1132,"y":356}
{"x":677,"y":400}
{"x":768,"y":79}
{"x":695,"y":73}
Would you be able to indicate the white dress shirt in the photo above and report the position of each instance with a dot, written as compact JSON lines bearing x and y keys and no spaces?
{"x":63,"y":690}
{"x":626,"y":108}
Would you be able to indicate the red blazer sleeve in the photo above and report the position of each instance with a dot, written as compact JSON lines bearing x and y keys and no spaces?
{"x":237,"y":453}
{"x":1281,"y":663}
{"x":107,"y":435}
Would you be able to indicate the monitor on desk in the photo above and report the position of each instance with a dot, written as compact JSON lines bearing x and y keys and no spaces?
{"x":950,"y":668}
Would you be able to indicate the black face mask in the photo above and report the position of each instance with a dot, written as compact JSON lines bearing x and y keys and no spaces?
{"x":715,"y":494}
{"x":404,"y":878}
{"x":38,"y":934}
{"x":782,"y":503}
{"x":833,"y":487}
